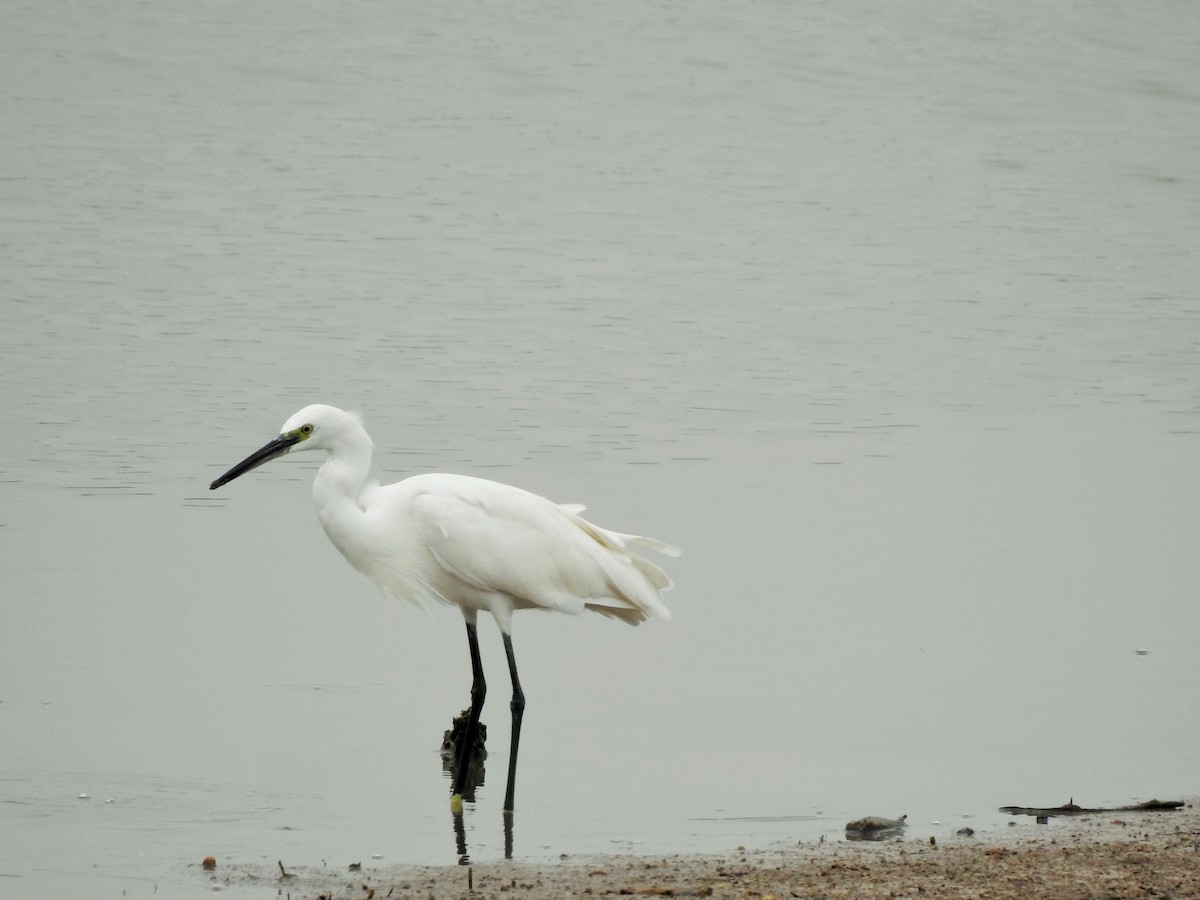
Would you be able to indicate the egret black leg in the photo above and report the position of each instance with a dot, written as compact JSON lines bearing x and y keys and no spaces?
{"x":471,"y":733}
{"x":518,"y":710}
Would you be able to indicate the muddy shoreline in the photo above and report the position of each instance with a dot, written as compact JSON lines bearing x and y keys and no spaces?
{"x":1103,"y":856}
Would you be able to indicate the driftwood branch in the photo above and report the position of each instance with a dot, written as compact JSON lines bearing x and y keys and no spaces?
{"x":1072,"y":810}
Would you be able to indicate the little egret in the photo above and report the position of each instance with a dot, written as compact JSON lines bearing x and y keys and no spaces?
{"x":477,"y":544}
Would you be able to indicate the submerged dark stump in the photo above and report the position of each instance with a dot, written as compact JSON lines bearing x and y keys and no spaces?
{"x":475,"y":768}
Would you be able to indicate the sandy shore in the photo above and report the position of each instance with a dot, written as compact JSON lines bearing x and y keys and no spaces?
{"x":1116,"y":855}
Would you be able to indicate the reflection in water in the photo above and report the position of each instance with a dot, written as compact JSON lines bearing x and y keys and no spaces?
{"x":460,"y":836}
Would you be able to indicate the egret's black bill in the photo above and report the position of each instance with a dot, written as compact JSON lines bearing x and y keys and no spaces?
{"x":275,"y":448}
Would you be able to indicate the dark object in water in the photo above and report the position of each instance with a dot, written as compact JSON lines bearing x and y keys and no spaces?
{"x":875,"y":828}
{"x":1070,"y":809}
{"x":476,"y":770}
{"x":452,"y":735}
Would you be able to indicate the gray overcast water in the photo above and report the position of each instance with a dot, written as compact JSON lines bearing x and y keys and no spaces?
{"x":886,"y":314}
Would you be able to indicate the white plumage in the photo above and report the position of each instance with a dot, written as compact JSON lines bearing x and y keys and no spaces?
{"x":474,"y":543}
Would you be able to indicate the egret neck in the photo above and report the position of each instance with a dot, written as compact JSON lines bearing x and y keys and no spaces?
{"x":339,"y":491}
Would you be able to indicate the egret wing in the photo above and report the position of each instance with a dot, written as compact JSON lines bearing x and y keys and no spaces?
{"x":500,"y":539}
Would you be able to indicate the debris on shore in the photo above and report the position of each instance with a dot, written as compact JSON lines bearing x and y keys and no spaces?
{"x":875,"y":828}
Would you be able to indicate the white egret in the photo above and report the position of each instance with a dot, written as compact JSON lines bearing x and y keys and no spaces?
{"x":477,"y":544}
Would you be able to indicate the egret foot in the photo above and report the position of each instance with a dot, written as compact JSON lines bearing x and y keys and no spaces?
{"x":456,"y":804}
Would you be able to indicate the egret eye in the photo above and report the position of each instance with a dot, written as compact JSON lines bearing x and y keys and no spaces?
{"x":306,"y":430}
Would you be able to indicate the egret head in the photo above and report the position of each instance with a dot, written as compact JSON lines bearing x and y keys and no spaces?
{"x":321,"y":427}
{"x":316,"y":427}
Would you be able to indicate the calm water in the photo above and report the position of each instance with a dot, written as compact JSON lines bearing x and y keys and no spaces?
{"x":888,"y":316}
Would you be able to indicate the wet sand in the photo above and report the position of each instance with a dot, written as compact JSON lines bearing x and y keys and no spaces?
{"x":1115,"y":855}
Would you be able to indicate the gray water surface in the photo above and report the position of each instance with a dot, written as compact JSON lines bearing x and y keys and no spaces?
{"x":887,"y":315}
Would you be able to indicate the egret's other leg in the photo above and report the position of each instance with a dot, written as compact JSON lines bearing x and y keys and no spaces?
{"x":471,"y":732}
{"x":518,"y":710}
